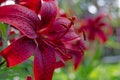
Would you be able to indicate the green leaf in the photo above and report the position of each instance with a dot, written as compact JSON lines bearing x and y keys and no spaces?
{"x":3,"y":29}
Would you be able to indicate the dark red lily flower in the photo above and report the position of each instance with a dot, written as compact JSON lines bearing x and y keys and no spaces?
{"x":35,"y":41}
{"x":95,"y":28}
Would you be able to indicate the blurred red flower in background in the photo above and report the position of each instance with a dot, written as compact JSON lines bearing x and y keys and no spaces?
{"x":96,"y":28}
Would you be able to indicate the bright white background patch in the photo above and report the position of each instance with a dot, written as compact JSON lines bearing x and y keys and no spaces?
{"x":92,"y":9}
{"x":9,"y":2}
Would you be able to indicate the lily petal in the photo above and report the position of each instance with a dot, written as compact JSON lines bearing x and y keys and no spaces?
{"x":91,"y":35}
{"x":34,"y":5}
{"x":99,"y":18}
{"x":63,"y":57}
{"x":44,"y":62}
{"x":101,"y":36}
{"x":48,"y":13}
{"x":18,"y":51}
{"x":77,"y":56}
{"x":61,"y":52}
{"x":71,"y":35}
{"x":59,"y":64}
{"x":58,"y":30}
{"x":38,"y":65}
{"x":76,"y":49}
{"x":21,"y":18}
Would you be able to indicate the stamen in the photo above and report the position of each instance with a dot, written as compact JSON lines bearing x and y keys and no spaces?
{"x":57,"y":47}
{"x":64,"y":26}
{"x":84,"y":35}
{"x":36,"y":43}
{"x":42,"y":31}
{"x":83,"y":32}
{"x":62,"y":52}
{"x":72,"y":19}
